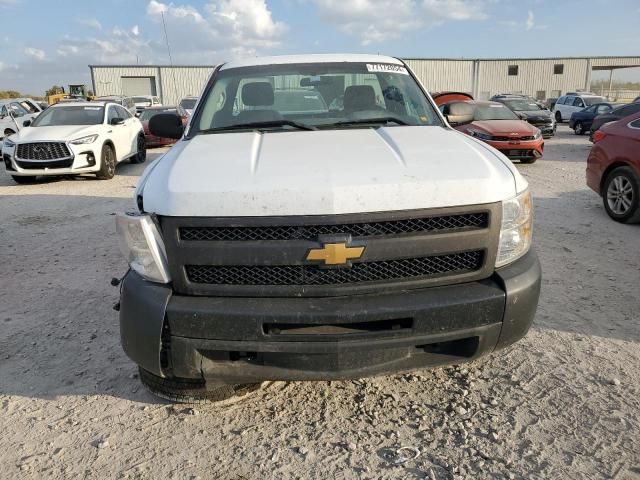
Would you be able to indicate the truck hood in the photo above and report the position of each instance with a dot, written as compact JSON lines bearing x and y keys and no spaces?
{"x":55,"y":133}
{"x":326,"y":172}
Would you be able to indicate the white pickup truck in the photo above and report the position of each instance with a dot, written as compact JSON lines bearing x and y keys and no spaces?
{"x":282,"y":241}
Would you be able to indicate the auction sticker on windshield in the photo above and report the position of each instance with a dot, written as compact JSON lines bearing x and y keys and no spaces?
{"x":386,"y":68}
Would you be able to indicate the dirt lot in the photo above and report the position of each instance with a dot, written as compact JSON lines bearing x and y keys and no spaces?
{"x":562,"y":403}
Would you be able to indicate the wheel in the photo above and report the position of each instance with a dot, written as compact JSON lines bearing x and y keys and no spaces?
{"x":528,"y":161}
{"x":141,"y":156}
{"x":578,"y":129}
{"x":186,"y":390}
{"x":621,"y":195}
{"x":107,"y":163}
{"x":8,"y":132}
{"x":24,"y":180}
{"x":558,"y":117}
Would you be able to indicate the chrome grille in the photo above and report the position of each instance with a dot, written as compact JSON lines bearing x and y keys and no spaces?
{"x":410,"y":268}
{"x":356,"y":230}
{"x":43,"y":151}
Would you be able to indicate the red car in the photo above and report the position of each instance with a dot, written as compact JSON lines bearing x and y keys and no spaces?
{"x":497,"y":125}
{"x":152,"y":140}
{"x":613,"y":168}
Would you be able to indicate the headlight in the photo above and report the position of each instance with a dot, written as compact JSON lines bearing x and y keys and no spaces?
{"x":142,"y":246}
{"x":85,"y":140}
{"x":480,"y":135}
{"x":8,"y":143}
{"x":516,"y":230}
{"x":537,"y":135}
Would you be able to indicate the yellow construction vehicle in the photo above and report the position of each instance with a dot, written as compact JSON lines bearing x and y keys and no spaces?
{"x":77,"y":91}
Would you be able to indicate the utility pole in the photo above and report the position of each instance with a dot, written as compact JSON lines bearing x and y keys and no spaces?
{"x":173,"y":73}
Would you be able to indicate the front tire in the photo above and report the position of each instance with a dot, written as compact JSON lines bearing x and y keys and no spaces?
{"x":193,"y":391}
{"x":141,"y":156}
{"x":578,"y":128}
{"x":528,"y":161}
{"x":558,"y":117}
{"x":621,"y":195}
{"x":24,"y":180}
{"x":107,"y":163}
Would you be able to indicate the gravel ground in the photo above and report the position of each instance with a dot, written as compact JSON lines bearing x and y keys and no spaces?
{"x":562,"y":403}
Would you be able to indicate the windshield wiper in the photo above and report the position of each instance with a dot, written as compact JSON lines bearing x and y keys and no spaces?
{"x":364,"y":121}
{"x":260,"y":125}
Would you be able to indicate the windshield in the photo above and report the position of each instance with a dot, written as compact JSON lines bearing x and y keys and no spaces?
{"x":70,"y":115}
{"x":28,"y":106}
{"x":317,"y":95}
{"x":493,"y":112}
{"x":188,"y":103}
{"x":147,"y":114}
{"x":16,"y":109}
{"x":522,"y":105}
{"x":141,"y":100}
{"x":593,"y":100}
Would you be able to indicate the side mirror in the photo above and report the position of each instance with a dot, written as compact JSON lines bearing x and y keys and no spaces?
{"x":521,"y":116}
{"x":116,"y":121}
{"x":26,"y":123}
{"x":459,"y":113}
{"x":166,"y":125}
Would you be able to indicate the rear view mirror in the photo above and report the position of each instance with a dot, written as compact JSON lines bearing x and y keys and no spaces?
{"x":166,"y":125}
{"x":316,"y":81}
{"x":459,"y":113}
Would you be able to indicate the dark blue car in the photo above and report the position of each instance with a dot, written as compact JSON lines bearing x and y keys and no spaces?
{"x":581,"y":121}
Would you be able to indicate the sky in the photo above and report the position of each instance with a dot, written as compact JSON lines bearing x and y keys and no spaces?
{"x":46,"y":43}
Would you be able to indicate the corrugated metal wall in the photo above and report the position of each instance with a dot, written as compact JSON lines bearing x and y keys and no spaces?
{"x":180,"y":82}
{"x":483,"y":78}
{"x":172,"y":83}
{"x":615,"y":62}
{"x":440,"y":75}
{"x":107,"y":80}
{"x":533,"y":76}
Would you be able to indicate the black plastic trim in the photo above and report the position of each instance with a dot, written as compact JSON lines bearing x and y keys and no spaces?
{"x":293,"y":252}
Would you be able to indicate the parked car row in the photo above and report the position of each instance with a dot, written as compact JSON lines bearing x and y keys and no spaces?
{"x":74,"y":138}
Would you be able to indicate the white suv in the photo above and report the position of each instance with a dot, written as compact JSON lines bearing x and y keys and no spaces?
{"x":75,"y":138}
{"x":574,"y":102}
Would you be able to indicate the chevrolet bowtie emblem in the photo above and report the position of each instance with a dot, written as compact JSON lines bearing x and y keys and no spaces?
{"x":335,"y":254}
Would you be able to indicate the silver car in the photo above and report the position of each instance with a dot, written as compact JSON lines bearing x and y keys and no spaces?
{"x":12,"y":117}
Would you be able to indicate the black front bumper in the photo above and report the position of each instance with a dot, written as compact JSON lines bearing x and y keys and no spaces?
{"x":241,"y":340}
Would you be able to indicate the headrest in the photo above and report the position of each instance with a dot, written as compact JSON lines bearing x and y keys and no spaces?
{"x":359,"y":97}
{"x":257,"y":94}
{"x":458,"y":108}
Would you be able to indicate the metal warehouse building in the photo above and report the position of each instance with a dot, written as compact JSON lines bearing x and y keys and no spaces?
{"x":538,"y":77}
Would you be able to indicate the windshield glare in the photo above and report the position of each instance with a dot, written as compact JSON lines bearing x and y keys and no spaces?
{"x":494,"y":112}
{"x":522,"y":105}
{"x":319,"y":95}
{"x":70,"y":115}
